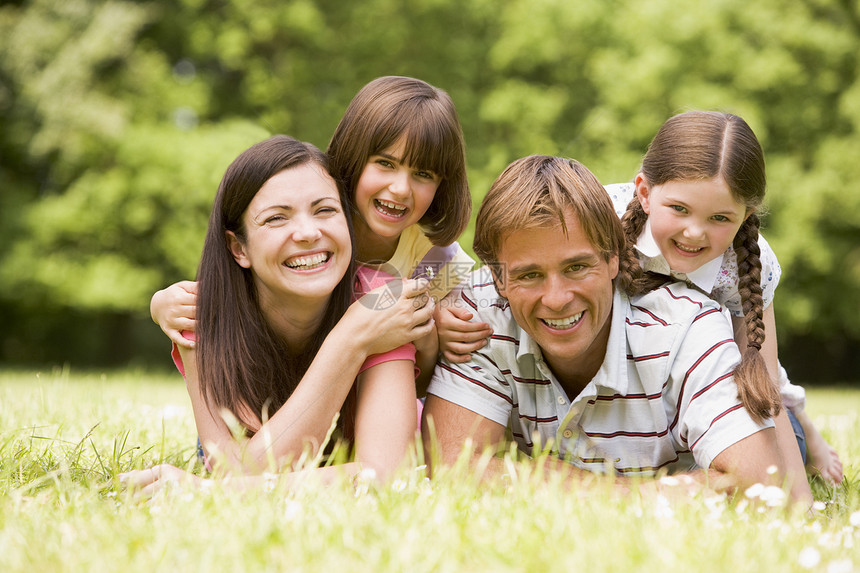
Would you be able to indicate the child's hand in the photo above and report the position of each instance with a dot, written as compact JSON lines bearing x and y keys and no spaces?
{"x":380,"y":322}
{"x":458,"y":337}
{"x":823,"y":459}
{"x":174,"y":309}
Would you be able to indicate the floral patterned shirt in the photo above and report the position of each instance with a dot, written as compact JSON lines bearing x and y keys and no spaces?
{"x":718,"y":278}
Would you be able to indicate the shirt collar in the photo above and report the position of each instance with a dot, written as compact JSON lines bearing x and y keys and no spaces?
{"x":704,"y":278}
{"x":613,"y":372}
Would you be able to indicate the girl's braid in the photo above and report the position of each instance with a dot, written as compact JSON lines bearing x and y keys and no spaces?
{"x":756,"y":389}
{"x":630,"y":274}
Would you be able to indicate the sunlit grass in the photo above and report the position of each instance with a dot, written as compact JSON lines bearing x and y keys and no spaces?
{"x":64,"y":437}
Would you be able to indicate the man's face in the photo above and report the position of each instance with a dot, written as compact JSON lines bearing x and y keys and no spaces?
{"x":560,"y":292}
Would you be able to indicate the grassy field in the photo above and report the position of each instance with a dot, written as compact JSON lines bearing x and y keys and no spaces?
{"x":64,"y":437}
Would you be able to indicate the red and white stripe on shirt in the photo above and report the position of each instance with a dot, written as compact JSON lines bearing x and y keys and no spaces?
{"x":664,"y":397}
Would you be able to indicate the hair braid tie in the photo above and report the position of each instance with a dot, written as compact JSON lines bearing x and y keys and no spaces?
{"x":753,"y":344}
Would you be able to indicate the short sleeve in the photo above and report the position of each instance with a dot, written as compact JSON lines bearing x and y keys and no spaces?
{"x":445,"y":267}
{"x":368,"y":279}
{"x":405,"y":352}
{"x":174,"y":352}
{"x":793,"y":396}
{"x":770,"y":271}
{"x":710,"y":416}
{"x":620,"y":194}
{"x":726,"y":287}
{"x":477,"y":385}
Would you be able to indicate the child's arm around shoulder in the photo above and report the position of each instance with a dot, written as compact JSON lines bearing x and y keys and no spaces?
{"x":458,"y":336}
{"x":174,"y":309}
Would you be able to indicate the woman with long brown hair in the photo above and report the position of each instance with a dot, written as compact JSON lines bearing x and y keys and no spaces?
{"x":278,"y":333}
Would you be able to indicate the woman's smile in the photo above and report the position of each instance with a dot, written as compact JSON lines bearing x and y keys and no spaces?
{"x":308,"y":262}
{"x":296,"y":238}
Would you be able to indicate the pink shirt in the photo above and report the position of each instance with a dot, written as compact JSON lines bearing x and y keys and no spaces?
{"x":366,"y":280}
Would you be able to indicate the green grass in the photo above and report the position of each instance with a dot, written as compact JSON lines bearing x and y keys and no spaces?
{"x":64,"y":437}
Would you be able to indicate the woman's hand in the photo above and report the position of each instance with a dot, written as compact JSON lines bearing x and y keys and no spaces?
{"x":146,"y":483}
{"x":174,"y":309}
{"x":391,"y":315}
{"x":458,"y":337}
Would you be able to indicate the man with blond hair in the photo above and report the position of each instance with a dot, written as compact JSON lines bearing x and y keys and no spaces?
{"x":606,"y":378}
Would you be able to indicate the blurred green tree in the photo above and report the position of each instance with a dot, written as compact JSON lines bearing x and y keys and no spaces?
{"x":118,"y":119}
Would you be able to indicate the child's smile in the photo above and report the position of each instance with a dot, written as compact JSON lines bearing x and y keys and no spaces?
{"x":692,"y":222}
{"x":391,"y":195}
{"x":390,"y":208}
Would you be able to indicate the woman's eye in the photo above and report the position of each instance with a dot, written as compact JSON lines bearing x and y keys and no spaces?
{"x":274,"y":219}
{"x":326,"y":210}
{"x":384,"y":163}
{"x":721,"y":218}
{"x":678,"y":208}
{"x":427,"y":175}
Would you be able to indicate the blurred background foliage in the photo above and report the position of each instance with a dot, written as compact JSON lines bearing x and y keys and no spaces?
{"x":117,"y":120}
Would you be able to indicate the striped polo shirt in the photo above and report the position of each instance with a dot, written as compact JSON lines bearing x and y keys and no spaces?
{"x":663,"y":399}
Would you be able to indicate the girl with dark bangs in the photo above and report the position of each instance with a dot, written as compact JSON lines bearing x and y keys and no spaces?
{"x":278,"y":332}
{"x":399,"y":154}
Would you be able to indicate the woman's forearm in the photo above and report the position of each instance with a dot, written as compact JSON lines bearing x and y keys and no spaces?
{"x":303,"y":421}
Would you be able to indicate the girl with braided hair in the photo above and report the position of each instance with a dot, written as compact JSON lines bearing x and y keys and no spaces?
{"x":692,"y":213}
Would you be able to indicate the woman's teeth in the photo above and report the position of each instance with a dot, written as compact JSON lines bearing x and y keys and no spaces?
{"x":562,"y":323}
{"x":390,"y":208}
{"x":308,"y":262}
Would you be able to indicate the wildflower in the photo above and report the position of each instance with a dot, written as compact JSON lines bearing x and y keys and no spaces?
{"x":809,"y":557}
{"x":270,"y":481}
{"x":716,"y":506}
{"x":754,"y":491}
{"x":663,"y":509}
{"x":814,"y":527}
{"x":855,"y":519}
{"x":773,"y":496}
{"x":828,"y":540}
{"x":363,"y":480}
{"x":293,"y":509}
{"x":367,"y":474}
{"x":669,"y":481}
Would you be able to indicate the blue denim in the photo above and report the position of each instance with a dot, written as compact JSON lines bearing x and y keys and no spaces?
{"x":798,"y":433}
{"x":202,"y":457}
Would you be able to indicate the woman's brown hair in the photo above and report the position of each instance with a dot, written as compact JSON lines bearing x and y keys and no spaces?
{"x":392,"y":107}
{"x":243,"y":365}
{"x":702,"y":145}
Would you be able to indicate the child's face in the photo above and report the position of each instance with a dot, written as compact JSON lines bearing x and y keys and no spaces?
{"x":693,"y":222}
{"x":391,"y":195}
